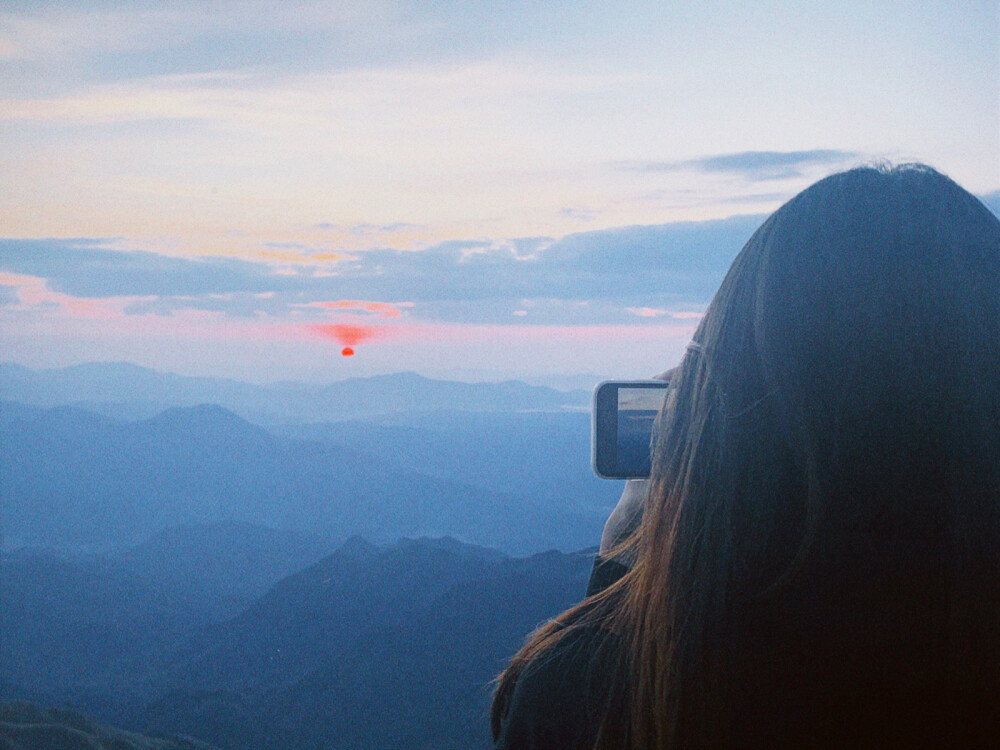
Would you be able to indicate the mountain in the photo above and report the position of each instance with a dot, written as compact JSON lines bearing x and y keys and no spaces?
{"x":126,"y":391}
{"x":71,"y":478}
{"x":24,"y":726}
{"x":224,"y":565}
{"x":85,"y":630}
{"x":311,"y":615}
{"x":541,"y":456}
{"x":371,"y":646}
{"x":392,"y":647}
{"x":102,"y":622}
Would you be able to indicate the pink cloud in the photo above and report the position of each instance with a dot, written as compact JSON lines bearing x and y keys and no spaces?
{"x":647,"y":312}
{"x":382,"y":309}
{"x":347,"y":335}
{"x":33,"y":291}
{"x":657,"y":312}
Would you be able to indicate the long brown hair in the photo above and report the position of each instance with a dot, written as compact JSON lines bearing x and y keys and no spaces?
{"x":819,"y":559}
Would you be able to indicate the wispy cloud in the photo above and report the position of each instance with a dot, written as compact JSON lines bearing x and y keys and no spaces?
{"x":88,"y":268}
{"x":585,"y":278}
{"x":579,"y":214}
{"x":641,"y":274}
{"x":289,"y":256}
{"x":755,"y":166}
{"x":369,"y":230}
{"x":31,"y":293}
{"x":381,"y":309}
{"x":74,"y":32}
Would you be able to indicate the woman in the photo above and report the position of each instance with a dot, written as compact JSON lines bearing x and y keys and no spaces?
{"x":818,"y":562}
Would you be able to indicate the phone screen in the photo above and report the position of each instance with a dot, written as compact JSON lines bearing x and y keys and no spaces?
{"x":624,"y":413}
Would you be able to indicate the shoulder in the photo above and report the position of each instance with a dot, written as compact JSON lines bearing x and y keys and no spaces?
{"x":563,"y":696}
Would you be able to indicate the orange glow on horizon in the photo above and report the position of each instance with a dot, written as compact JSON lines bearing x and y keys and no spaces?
{"x":348,"y":335}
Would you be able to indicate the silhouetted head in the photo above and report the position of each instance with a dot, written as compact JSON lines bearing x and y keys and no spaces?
{"x":819,"y":559}
{"x":821,"y":539}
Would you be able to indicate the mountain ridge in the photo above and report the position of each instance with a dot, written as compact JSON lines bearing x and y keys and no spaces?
{"x":411,"y":632}
{"x":126,"y":390}
{"x":72,"y":478}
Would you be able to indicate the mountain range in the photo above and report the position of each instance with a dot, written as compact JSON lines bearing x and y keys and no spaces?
{"x":368,"y":647}
{"x":127,"y":391}
{"x":518,"y":482}
{"x":284,"y":566}
{"x":24,"y":726}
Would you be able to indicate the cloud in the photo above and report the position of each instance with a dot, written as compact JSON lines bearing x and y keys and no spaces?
{"x":753,"y":165}
{"x":382,"y":309}
{"x":368,"y":230}
{"x":288,"y":256}
{"x":189,"y":36}
{"x":585,"y":278}
{"x":648,"y":312}
{"x":24,"y":292}
{"x":578,"y":214}
{"x":89,"y":268}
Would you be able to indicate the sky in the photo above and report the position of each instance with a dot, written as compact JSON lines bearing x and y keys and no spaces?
{"x":466,"y":189}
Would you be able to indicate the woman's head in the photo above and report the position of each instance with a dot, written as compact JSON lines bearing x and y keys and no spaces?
{"x":822,"y":522}
{"x":818,"y":562}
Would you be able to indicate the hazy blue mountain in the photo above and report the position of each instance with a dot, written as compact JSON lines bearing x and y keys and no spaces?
{"x":101,"y":623}
{"x":71,"y":478}
{"x":392,"y":647}
{"x":581,"y":382}
{"x":85,"y":630}
{"x":127,"y":391}
{"x":214,"y":608}
{"x":544,"y":456}
{"x":317,"y":613}
{"x":457,"y":644}
{"x":24,"y":726}
{"x":223,"y":565}
{"x":370,"y":646}
{"x":119,"y":389}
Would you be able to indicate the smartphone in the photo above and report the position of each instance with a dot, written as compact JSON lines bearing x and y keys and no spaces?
{"x":622,"y":427}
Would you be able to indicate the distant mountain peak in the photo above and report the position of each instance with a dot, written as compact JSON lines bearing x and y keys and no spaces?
{"x":449,"y":544}
{"x":199,"y":413}
{"x":356,"y":547}
{"x":207,"y":424}
{"x":106,"y":368}
{"x":127,"y":391}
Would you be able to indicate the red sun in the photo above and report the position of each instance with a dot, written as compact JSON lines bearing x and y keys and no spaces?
{"x":348,"y":336}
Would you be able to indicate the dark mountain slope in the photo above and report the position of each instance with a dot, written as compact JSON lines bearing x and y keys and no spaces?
{"x":225,"y":565}
{"x":322,"y":611}
{"x":27,"y":727}
{"x":369,"y":648}
{"x":428,"y":679}
{"x":94,"y":626}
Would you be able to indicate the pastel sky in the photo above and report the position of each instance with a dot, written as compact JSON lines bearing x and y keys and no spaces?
{"x":466,"y":188}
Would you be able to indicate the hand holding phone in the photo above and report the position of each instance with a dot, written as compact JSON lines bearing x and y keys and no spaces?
{"x":623,"y":415}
